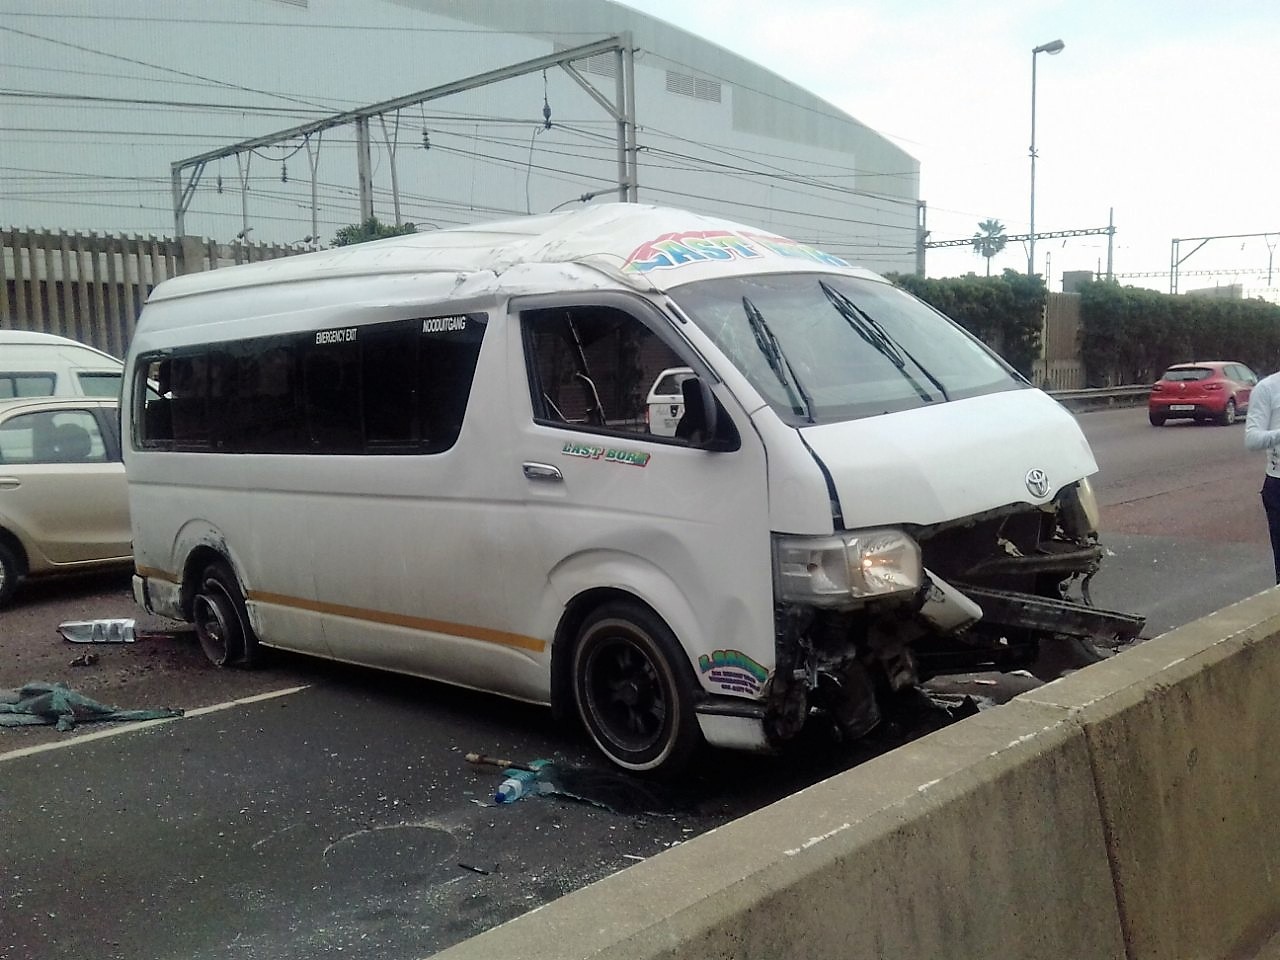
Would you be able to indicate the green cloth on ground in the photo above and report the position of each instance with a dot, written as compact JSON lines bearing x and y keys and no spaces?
{"x":40,"y":703}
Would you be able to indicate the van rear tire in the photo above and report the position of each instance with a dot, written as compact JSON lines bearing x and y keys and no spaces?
{"x":634,"y":691}
{"x":222,"y":620}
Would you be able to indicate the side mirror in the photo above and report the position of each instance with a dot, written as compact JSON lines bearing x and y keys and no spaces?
{"x":702,"y":424}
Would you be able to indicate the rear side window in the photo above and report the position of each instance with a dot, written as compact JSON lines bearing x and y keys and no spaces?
{"x":27,"y":385}
{"x":399,"y":387}
{"x":100,"y":384}
{"x":52,"y":436}
{"x":1187,"y":374}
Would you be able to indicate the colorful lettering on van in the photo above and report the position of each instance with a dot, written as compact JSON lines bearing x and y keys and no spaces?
{"x":635,"y":458}
{"x":699,"y":246}
{"x":733,"y":670}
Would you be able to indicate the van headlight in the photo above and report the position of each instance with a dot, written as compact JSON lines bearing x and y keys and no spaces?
{"x":1089,"y":503}
{"x":838,"y":570}
{"x":1077,"y":509}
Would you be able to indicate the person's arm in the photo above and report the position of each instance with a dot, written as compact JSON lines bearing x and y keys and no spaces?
{"x":1257,"y":436}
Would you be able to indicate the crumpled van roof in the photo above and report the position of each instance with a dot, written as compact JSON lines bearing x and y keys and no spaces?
{"x":646,"y":247}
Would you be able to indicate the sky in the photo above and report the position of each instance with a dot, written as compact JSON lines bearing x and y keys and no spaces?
{"x":1165,"y":113}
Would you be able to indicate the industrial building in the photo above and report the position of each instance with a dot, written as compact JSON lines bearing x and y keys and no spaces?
{"x":102,"y":97}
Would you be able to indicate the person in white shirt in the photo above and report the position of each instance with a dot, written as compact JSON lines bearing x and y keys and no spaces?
{"x":1262,"y":432}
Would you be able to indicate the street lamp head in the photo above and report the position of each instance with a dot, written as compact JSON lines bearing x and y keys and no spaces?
{"x":1054,"y":46}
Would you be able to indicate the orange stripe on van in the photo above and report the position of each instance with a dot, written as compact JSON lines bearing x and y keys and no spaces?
{"x":399,"y":620}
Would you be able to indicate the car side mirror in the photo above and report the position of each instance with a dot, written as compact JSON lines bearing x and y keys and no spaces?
{"x":704,"y":423}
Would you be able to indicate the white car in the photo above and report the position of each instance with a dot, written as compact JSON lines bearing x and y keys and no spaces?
{"x":665,"y":403}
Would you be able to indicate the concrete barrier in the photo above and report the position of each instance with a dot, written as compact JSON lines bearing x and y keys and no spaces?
{"x":1129,"y":810}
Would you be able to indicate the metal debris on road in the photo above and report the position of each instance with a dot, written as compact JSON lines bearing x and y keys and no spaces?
{"x":98,"y":631}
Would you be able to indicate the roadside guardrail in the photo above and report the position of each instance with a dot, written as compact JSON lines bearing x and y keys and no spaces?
{"x":1125,"y":396}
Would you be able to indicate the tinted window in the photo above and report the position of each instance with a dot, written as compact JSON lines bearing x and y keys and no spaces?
{"x":52,"y":436}
{"x":26,"y":385}
{"x":100,"y":384}
{"x":381,"y":388}
{"x":593,"y":367}
{"x":1187,"y":374}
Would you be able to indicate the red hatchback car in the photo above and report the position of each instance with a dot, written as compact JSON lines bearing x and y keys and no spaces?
{"x":1215,"y":390}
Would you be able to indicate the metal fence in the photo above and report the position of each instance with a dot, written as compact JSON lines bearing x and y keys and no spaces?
{"x":91,"y":288}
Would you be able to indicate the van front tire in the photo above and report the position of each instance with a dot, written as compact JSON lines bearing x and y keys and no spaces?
{"x":633,"y":690}
{"x":221,"y":619}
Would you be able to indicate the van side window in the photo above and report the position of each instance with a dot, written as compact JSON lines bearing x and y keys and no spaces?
{"x":100,"y":384}
{"x":592,"y":367}
{"x":26,"y":385}
{"x":398,"y":387}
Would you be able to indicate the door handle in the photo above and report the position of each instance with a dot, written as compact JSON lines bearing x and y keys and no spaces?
{"x":542,"y":471}
{"x":9,"y":483}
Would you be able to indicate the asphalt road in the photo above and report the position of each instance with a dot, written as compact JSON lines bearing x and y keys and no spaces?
{"x":342,"y":820}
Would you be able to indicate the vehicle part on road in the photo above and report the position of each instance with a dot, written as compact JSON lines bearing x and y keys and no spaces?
{"x":633,"y":691}
{"x":42,"y":704}
{"x":221,"y":620}
{"x":118,"y":630}
{"x":500,"y":762}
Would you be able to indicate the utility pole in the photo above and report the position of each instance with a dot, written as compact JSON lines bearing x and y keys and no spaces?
{"x":922,"y":234}
{"x":364,"y":164}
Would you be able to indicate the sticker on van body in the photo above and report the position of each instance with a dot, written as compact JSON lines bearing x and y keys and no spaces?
{"x":455,"y":324}
{"x":699,"y":246}
{"x":733,"y":671}
{"x":587,"y":451}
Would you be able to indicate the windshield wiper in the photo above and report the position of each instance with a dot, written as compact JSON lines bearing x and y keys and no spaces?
{"x":870,"y":330}
{"x":772,"y":351}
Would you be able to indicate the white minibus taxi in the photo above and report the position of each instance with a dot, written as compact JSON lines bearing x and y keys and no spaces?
{"x":430,"y":454}
{"x":34,"y":364}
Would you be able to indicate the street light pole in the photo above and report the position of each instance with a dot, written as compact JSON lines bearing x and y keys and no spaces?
{"x":1051,"y":48}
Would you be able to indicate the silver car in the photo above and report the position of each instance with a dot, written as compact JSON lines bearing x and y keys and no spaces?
{"x":64,"y":504}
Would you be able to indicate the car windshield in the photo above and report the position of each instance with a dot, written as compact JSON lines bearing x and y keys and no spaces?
{"x":822,"y":348}
{"x":1187,"y":374}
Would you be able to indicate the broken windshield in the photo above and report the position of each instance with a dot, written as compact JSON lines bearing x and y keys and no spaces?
{"x":860,"y":347}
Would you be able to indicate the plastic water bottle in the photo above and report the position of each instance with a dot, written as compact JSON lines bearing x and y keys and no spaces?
{"x":522,"y":782}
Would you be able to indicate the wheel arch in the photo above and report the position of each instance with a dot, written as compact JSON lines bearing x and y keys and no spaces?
{"x":576,"y":612}
{"x":197,"y":559}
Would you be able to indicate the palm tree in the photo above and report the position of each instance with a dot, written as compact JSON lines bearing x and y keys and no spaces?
{"x":989,"y":240}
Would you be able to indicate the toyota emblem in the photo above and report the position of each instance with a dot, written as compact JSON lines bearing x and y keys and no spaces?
{"x":1038,"y":483}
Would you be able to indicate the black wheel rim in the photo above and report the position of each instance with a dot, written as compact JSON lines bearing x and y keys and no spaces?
{"x":625,"y":693}
{"x":214,"y":624}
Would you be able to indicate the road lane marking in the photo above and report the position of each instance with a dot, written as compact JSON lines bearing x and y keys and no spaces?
{"x":144,"y":724}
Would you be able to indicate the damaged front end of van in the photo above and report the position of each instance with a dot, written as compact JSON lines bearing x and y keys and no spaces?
{"x":863,"y":617}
